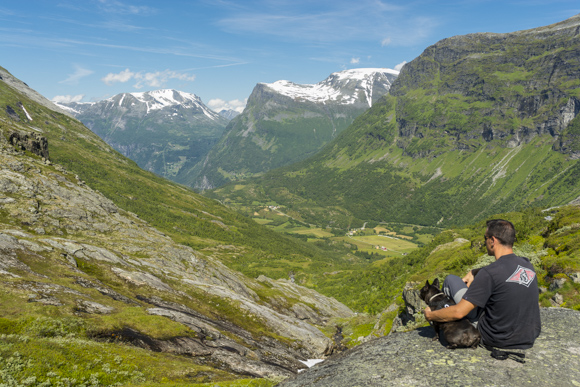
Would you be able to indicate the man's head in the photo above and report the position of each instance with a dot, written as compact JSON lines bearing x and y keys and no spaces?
{"x":500,"y":232}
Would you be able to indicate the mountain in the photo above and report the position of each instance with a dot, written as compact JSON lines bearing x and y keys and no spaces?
{"x":111,"y":274}
{"x":163,"y":131}
{"x":476,"y":125}
{"x":285,"y":122}
{"x":229,"y":114}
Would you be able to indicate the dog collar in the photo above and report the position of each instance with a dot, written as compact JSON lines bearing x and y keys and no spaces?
{"x":438,"y":294}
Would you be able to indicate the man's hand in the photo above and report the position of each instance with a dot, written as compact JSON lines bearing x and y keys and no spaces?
{"x":451,"y":313}
{"x":468,"y":279}
{"x":427,"y":313}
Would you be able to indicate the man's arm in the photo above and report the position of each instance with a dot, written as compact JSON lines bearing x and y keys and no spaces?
{"x":452,"y":313}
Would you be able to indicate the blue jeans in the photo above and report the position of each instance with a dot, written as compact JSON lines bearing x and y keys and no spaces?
{"x":454,"y":287}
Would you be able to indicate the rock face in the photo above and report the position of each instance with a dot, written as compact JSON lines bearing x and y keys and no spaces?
{"x":528,"y":76}
{"x":412,"y":359}
{"x":163,"y":131}
{"x":285,"y":122}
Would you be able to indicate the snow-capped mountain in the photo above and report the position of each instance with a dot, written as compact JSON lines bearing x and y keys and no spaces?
{"x":162,"y":130}
{"x":344,"y":87}
{"x":285,"y":122}
{"x":229,"y":113}
{"x":148,"y":102}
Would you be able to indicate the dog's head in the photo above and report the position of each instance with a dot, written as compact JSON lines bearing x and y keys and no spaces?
{"x":429,"y":290}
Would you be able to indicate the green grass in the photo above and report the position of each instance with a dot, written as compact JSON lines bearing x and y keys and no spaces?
{"x":34,"y":361}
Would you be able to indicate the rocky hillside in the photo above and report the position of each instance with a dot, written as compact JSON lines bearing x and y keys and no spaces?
{"x":500,"y":89}
{"x":163,"y":131}
{"x":476,"y":125}
{"x":79,"y":270}
{"x":286,"y":122}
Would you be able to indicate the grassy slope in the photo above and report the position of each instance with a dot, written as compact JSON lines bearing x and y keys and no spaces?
{"x":179,"y":212}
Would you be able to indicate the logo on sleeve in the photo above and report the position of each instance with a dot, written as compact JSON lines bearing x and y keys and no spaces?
{"x":522,"y":276}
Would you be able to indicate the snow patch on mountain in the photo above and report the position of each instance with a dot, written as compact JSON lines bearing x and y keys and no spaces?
{"x":342,"y":87}
{"x":69,"y":109}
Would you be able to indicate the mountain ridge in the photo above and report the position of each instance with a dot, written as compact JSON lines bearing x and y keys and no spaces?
{"x":162,"y":130}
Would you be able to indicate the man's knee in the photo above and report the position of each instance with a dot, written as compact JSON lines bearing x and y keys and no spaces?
{"x":454,"y":287}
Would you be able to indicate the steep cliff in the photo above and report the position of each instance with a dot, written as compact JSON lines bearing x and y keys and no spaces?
{"x":503,"y":89}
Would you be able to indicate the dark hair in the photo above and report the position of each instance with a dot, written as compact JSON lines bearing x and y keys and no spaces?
{"x":502,"y":230}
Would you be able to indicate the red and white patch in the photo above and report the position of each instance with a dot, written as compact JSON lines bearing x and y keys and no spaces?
{"x":522,"y":276}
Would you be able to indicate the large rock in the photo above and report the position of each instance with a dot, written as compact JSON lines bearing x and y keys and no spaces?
{"x":412,"y":359}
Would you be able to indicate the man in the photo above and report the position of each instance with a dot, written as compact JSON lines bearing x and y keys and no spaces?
{"x":502,"y":297}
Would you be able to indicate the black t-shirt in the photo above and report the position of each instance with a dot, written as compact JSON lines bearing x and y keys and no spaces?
{"x":507,"y":290}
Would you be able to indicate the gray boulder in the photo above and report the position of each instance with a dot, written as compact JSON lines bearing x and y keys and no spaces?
{"x":412,"y":359}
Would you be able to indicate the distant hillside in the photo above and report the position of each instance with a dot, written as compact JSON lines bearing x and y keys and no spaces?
{"x":285,"y":122}
{"x":163,"y":131}
{"x":475,"y":125}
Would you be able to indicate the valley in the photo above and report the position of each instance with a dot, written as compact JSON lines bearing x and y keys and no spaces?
{"x":111,"y":274}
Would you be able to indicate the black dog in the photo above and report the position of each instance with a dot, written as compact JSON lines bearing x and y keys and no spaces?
{"x":458,"y":333}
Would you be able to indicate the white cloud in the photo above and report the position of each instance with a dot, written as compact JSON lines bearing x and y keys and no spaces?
{"x":355,"y":61}
{"x":122,"y":77}
{"x":219,"y":104}
{"x":400,"y":65}
{"x":156,"y":79}
{"x":386,"y":42}
{"x":68,"y":98}
{"x":79,"y":73}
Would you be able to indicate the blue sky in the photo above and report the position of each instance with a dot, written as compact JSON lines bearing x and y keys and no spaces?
{"x":219,"y":49}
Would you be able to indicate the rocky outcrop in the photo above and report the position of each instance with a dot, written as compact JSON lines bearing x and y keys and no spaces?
{"x":32,"y":142}
{"x":413,"y":359}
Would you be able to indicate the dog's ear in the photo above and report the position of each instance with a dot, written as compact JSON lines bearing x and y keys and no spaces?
{"x":436,"y":282}
{"x":427,"y":283}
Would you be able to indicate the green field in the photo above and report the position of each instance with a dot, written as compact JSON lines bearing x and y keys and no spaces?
{"x":317,"y":232}
{"x":394,"y":246}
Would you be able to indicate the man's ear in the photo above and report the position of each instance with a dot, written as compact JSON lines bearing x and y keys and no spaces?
{"x":436,"y":282}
